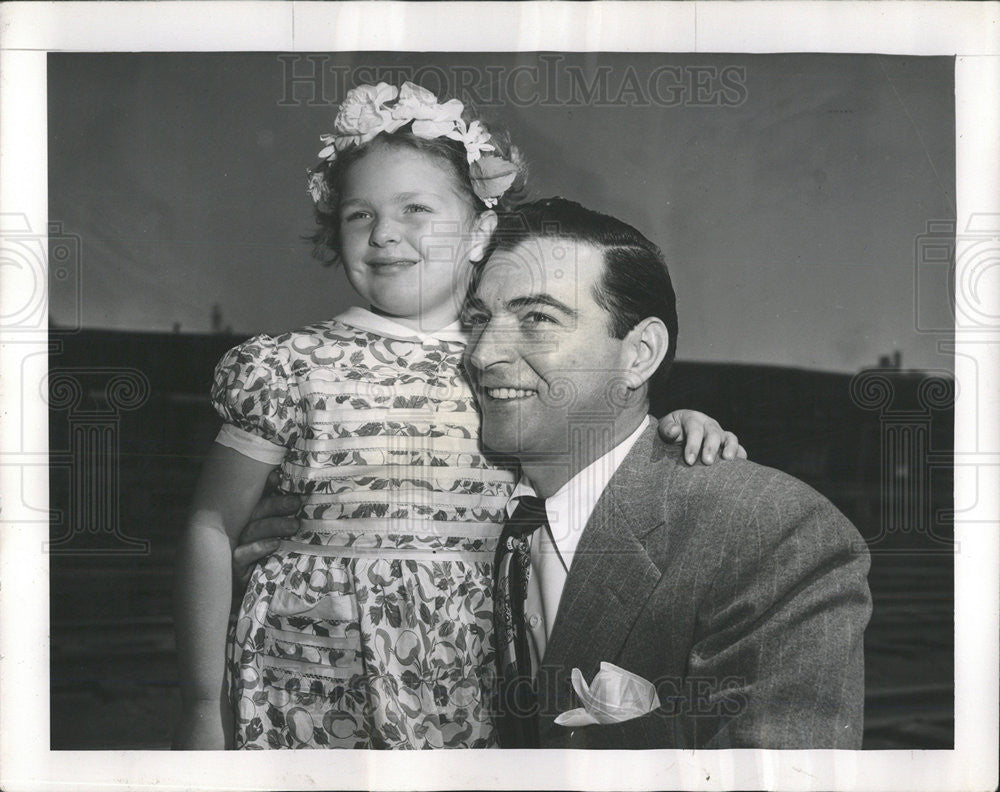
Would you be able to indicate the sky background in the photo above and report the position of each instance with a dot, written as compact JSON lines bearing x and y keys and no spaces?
{"x":788,"y":193}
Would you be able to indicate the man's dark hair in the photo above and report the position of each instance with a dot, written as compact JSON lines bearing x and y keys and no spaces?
{"x":635,"y":283}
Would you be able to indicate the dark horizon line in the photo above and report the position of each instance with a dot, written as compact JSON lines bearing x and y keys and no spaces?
{"x":237,"y":337}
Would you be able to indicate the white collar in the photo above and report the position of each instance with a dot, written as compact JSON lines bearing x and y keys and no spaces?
{"x":569,"y":509}
{"x":365,"y":319}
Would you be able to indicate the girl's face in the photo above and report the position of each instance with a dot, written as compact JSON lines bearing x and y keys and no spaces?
{"x":407,"y":236}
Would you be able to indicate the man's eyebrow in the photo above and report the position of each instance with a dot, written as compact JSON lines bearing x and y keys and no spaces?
{"x":542,"y":299}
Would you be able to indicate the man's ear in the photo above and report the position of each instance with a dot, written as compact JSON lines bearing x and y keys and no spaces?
{"x":482,"y":229}
{"x":645,"y":347}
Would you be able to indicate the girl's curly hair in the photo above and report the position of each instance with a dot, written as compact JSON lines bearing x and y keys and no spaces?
{"x":326,"y":239}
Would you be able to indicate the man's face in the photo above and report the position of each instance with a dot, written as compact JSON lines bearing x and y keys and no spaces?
{"x":541,"y":354}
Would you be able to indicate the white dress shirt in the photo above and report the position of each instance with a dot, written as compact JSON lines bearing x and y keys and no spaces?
{"x":568,"y":511}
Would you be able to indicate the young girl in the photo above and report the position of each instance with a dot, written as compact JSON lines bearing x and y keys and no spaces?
{"x":372,"y":626}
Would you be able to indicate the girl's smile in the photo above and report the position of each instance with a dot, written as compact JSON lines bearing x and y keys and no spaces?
{"x":391,"y":266}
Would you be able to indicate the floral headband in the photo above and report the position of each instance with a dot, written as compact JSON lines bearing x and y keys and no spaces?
{"x":370,"y":109}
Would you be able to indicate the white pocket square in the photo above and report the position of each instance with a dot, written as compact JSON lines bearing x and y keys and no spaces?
{"x":614,"y":696}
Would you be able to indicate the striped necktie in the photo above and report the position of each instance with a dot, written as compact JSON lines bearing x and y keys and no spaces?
{"x":517,"y":717}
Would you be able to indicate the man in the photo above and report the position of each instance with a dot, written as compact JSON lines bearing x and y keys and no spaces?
{"x":737,"y":591}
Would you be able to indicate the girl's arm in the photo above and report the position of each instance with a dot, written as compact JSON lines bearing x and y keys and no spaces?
{"x":702,"y":434}
{"x":228,"y":489}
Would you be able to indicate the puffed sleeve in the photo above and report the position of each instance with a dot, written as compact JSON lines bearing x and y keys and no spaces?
{"x":254,"y":393}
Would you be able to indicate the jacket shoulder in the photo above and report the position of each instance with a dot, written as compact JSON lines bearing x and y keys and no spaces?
{"x":653,"y":461}
{"x":654,"y":484}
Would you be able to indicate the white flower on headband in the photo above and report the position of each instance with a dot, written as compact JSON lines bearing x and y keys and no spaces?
{"x":361,"y":117}
{"x":475,"y":138}
{"x":329,"y":150}
{"x":430,"y":118}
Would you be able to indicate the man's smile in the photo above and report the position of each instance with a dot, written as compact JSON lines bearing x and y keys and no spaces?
{"x":510,"y":394}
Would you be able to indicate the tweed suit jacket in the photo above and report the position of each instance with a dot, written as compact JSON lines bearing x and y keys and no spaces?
{"x":739,"y":591}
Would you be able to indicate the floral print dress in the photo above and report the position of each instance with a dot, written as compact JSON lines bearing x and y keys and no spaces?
{"x":372,"y":626}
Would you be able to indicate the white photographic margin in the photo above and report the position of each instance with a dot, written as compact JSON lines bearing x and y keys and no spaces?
{"x":969,"y":30}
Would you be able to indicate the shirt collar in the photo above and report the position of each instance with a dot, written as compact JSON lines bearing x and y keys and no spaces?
{"x":569,"y":509}
{"x":365,"y":319}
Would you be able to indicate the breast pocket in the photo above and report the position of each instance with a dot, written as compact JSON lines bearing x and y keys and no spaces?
{"x":312,"y":615}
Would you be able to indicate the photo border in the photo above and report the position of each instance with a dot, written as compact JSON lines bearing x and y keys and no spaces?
{"x":967,"y":30}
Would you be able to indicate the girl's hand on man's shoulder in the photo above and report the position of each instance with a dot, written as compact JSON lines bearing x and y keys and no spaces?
{"x":702,"y":437}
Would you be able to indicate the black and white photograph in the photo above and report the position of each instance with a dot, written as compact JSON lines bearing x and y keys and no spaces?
{"x":400,"y":398}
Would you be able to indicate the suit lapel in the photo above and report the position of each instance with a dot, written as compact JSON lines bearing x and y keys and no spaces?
{"x":611,"y":579}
